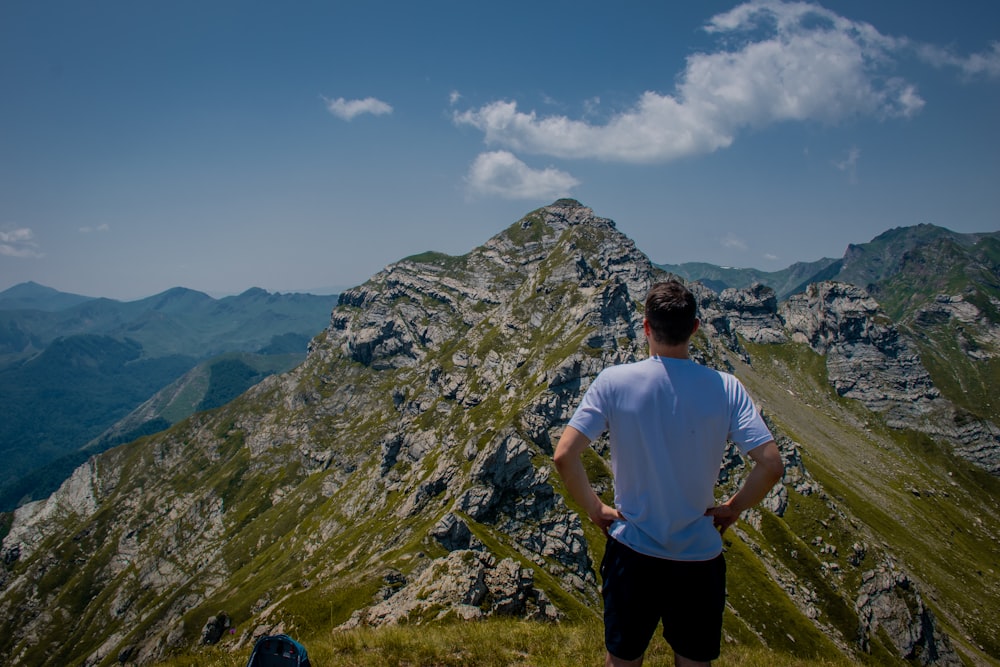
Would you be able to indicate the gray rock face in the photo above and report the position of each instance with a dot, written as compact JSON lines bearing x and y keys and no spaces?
{"x":750,"y":314}
{"x":515,"y":497}
{"x":888,"y":601}
{"x":753,"y":313}
{"x":978,"y":337}
{"x":506,"y":482}
{"x":867,"y":359}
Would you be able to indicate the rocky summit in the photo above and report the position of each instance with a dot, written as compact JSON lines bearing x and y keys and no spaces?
{"x":402,"y":473}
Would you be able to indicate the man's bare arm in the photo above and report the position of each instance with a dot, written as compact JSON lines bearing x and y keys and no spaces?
{"x":766,"y":472}
{"x":569,"y":463}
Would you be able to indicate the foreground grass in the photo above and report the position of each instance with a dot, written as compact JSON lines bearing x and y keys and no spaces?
{"x":493,"y":643}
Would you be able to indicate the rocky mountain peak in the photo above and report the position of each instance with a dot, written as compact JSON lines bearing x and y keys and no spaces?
{"x":555,"y":254}
{"x":566,"y":212}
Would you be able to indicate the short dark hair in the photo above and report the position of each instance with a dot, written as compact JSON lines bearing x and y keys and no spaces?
{"x":671,"y":310}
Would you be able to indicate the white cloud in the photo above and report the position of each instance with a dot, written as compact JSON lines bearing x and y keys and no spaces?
{"x":348,"y":109}
{"x":18,"y":243}
{"x":800,"y":63}
{"x":986,"y":64}
{"x":104,"y":227}
{"x":850,"y":163}
{"x":453,"y":97}
{"x":770,"y":256}
{"x":501,"y":173}
{"x":734,"y":242}
{"x":591,"y":106}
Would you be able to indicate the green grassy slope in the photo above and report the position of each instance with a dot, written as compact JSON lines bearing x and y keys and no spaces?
{"x":906,"y":496}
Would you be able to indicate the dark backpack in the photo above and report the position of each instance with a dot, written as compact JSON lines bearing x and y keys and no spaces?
{"x":278,"y":651}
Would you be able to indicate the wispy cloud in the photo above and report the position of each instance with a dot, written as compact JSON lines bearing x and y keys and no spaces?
{"x":18,"y":243}
{"x":349,"y":109}
{"x":793,"y":62}
{"x":104,"y":227}
{"x":985,"y":64}
{"x":502,"y":174}
{"x":850,"y":163}
{"x":453,"y":97}
{"x":733,"y":242}
{"x":591,"y":106}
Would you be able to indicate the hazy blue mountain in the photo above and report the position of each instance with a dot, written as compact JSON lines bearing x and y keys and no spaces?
{"x":68,"y":374}
{"x":32,"y":296}
{"x":207,"y":385}
{"x":177,"y":321}
{"x":784,"y":282}
{"x":57,"y":401}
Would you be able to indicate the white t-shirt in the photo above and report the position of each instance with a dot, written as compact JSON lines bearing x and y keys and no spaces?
{"x":668,"y":420}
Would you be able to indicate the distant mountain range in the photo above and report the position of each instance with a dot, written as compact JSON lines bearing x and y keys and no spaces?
{"x":402,"y":473}
{"x":72,"y":366}
{"x":177,"y":321}
{"x":867,"y":265}
{"x":784,"y":282}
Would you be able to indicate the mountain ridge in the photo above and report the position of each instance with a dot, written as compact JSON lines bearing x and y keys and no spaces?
{"x":863,"y":264}
{"x":409,"y":454}
{"x":203,"y":322}
{"x":33,"y":296}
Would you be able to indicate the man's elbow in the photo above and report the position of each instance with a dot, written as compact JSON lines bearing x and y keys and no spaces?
{"x":771,"y":462}
{"x":562,"y":458}
{"x":568,"y":449}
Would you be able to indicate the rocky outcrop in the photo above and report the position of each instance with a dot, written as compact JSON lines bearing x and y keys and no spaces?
{"x":452,"y":533}
{"x":511,"y":494}
{"x":868,"y":359}
{"x":889,"y":602}
{"x":749,"y":314}
{"x":215,"y":627}
{"x":76,"y":499}
{"x":978,"y":336}
{"x":464,"y":584}
{"x":753,"y":313}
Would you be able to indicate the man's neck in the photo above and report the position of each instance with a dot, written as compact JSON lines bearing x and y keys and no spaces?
{"x":669,"y":351}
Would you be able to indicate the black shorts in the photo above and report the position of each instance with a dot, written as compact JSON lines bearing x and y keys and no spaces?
{"x":639,"y":591}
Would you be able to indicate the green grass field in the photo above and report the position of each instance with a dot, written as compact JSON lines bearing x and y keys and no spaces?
{"x":491,"y":643}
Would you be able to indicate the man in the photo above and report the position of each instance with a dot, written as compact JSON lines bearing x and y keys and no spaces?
{"x":668,"y":419}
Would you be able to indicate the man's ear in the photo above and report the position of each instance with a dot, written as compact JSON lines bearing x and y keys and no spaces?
{"x":697,"y":324}
{"x":645,"y":326}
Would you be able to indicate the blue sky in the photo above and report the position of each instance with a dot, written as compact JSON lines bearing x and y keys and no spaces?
{"x":300,"y":146}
